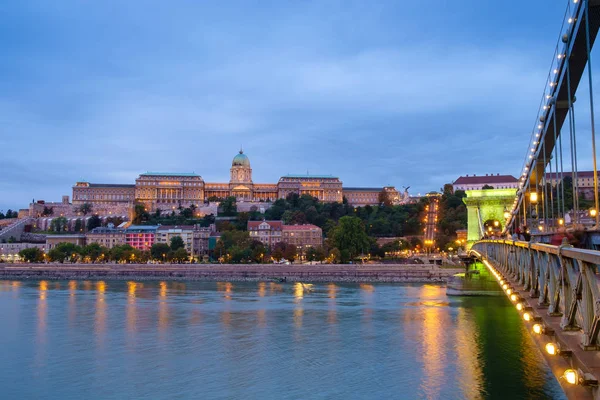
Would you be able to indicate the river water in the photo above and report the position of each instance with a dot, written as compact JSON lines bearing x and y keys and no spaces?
{"x":211,"y":340}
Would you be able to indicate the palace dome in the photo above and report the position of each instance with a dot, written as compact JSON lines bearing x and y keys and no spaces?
{"x":241,"y":160}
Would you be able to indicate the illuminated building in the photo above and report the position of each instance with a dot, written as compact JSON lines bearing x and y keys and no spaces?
{"x":168,"y":192}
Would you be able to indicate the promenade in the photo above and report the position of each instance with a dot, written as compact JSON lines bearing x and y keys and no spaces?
{"x":233,"y":272}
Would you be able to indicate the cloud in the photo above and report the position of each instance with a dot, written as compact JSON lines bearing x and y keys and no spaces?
{"x":357,"y":90}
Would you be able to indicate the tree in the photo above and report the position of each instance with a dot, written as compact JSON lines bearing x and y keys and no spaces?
{"x":78,"y":225}
{"x":229,"y":206}
{"x":93,"y":251}
{"x":335,"y":255}
{"x":140,"y":214}
{"x":59,"y":224}
{"x":93,"y":222}
{"x":177,"y":243}
{"x":311,"y":254}
{"x":31,"y":254}
{"x":485,"y":187}
{"x":56,"y":255}
{"x":350,"y":234}
{"x":180,"y":254}
{"x":290,"y":252}
{"x":47,"y":211}
{"x":85,"y":208}
{"x":159,"y":251}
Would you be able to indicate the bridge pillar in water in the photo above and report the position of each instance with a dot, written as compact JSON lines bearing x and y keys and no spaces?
{"x":488,"y":204}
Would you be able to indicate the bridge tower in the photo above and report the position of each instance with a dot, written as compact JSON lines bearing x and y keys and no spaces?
{"x":484,"y":205}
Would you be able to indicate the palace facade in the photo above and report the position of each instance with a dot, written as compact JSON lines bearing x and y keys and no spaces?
{"x":169,"y":191}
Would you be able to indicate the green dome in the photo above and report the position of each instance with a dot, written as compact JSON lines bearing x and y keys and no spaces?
{"x":241,"y":160}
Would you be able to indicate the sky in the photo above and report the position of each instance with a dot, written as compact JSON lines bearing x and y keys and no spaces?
{"x":403,"y":93}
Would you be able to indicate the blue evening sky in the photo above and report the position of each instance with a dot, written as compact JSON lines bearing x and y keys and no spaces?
{"x":376,"y":92}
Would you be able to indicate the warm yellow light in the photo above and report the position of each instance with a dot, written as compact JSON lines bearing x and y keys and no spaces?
{"x":519,"y":306}
{"x":551,"y":348}
{"x":490,"y":229}
{"x":496,"y":223}
{"x":501,"y":281}
{"x":561,"y":221}
{"x":570,"y":376}
{"x":537,"y":328}
{"x":506,"y":214}
{"x":508,"y":291}
{"x":505,"y":286}
{"x":527,"y":317}
{"x":513,"y":297}
{"x":541,"y":228}
{"x":593,"y":212}
{"x":533,"y":197}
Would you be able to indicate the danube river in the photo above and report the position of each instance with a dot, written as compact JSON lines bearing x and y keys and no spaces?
{"x":196,"y":340}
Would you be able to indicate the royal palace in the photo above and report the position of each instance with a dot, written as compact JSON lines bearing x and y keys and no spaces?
{"x":171,"y":191}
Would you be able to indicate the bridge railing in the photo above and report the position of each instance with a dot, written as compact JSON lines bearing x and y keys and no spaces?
{"x":562,"y":278}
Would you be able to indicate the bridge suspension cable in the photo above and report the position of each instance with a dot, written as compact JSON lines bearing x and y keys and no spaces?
{"x":581,"y":22}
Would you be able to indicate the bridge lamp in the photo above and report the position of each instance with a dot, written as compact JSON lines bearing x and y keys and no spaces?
{"x":514,"y":297}
{"x":533,"y":197}
{"x":561,"y":221}
{"x":496,"y":223}
{"x":505,"y":286}
{"x":551,"y":348}
{"x":527,"y":317}
{"x":519,"y":306}
{"x":501,"y":280}
{"x":593,"y":212}
{"x":541,"y":228}
{"x":571,"y":376}
{"x":537,"y":328}
{"x":509,"y":291}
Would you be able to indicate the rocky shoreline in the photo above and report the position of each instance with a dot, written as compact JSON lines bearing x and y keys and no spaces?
{"x":371,"y":273}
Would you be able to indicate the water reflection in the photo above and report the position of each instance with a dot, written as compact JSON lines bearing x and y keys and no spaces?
{"x":200,"y":342}
{"x":332,"y":304}
{"x":262,"y":289}
{"x":72,"y":304}
{"x":163,"y":308}
{"x":42,"y":313}
{"x":470,"y":373}
{"x":100,"y":320}
{"x":225,"y":287}
{"x":298,"y":309}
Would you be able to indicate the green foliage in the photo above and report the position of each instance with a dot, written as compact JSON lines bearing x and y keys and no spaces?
{"x":85,"y":208}
{"x":452,"y":216}
{"x":177,"y":243}
{"x":485,"y":187}
{"x":59,"y":224}
{"x":140,"y":214}
{"x":9,"y":214}
{"x":64,"y":251}
{"x":180,"y":254}
{"x":349,"y":235}
{"x":32,"y":254}
{"x":125,"y":253}
{"x":159,"y":251}
{"x":229,"y":207}
{"x":335,"y":255}
{"x":383,"y":220}
{"x":94,"y":252}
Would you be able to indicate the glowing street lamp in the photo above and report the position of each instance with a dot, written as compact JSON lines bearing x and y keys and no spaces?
{"x":533,"y":197}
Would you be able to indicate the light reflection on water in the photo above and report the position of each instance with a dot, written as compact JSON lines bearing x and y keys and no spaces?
{"x":268,"y":340}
